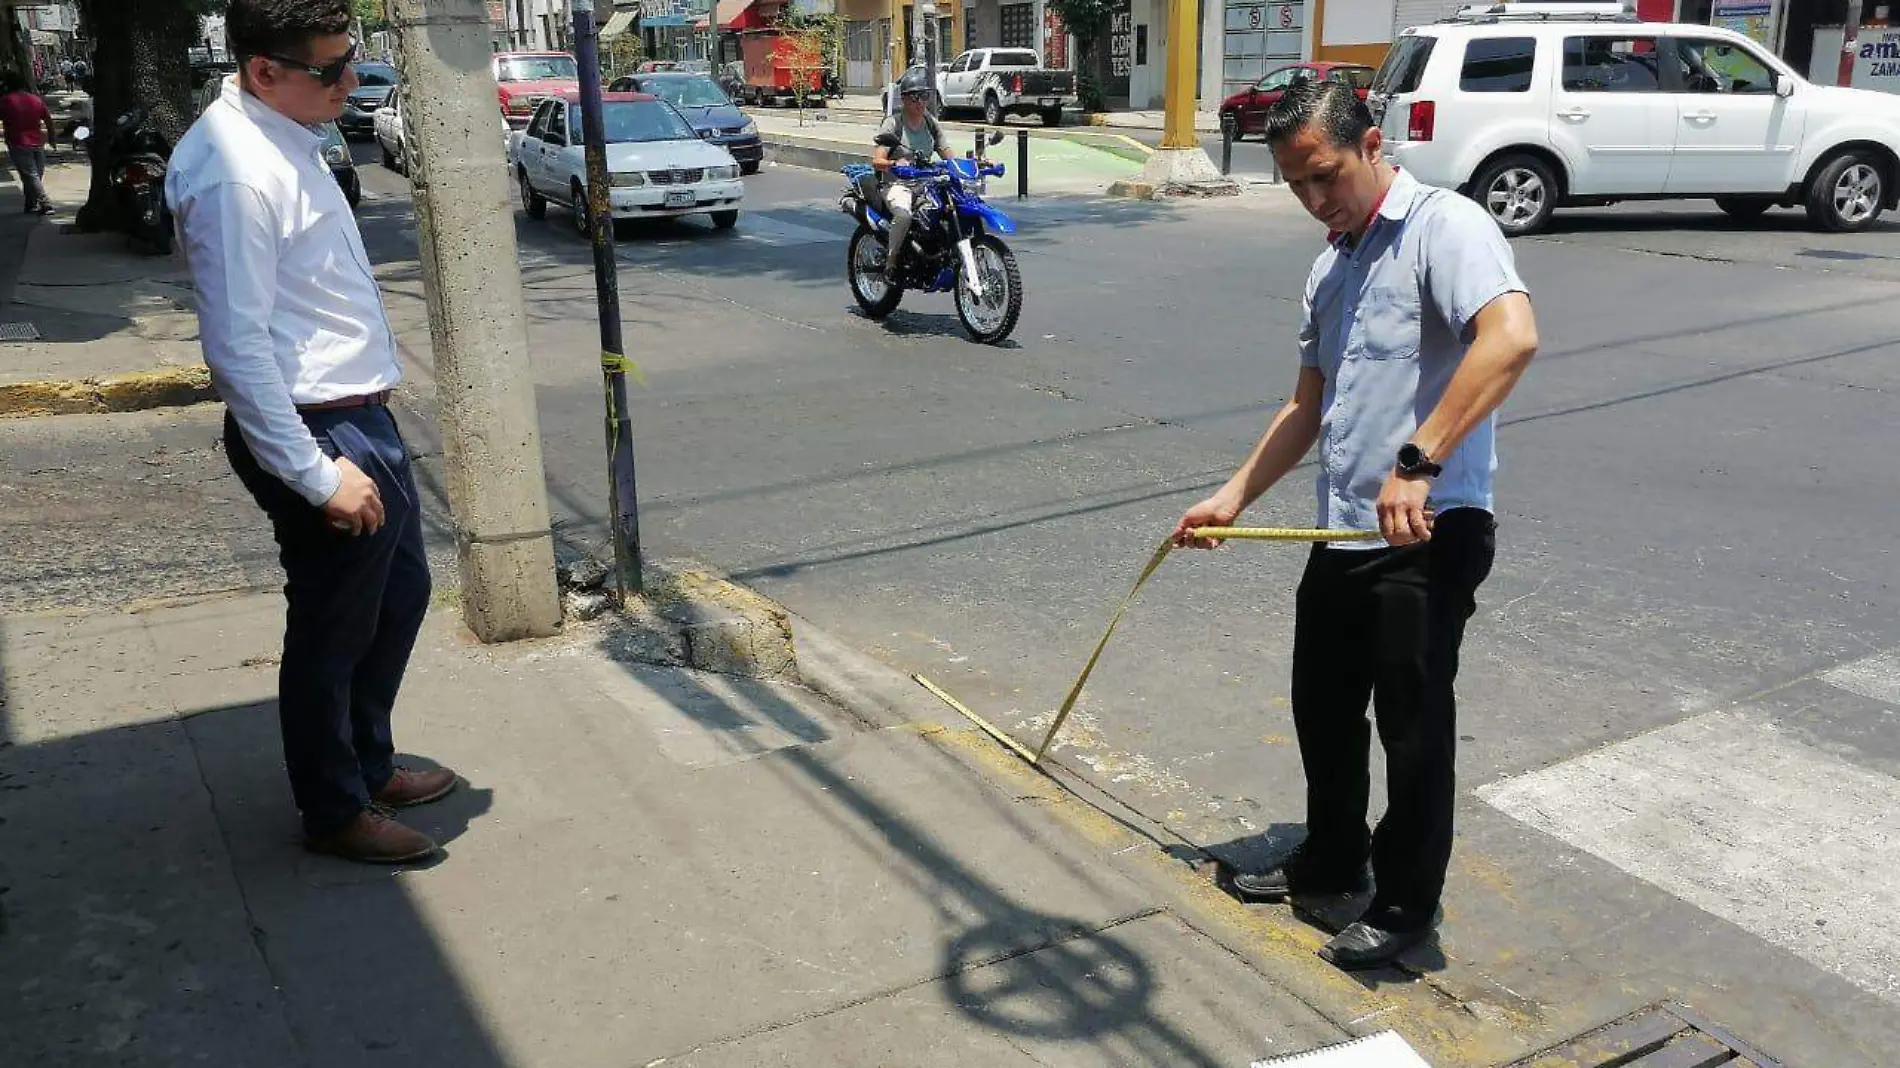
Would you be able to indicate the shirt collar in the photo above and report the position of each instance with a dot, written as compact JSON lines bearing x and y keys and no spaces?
{"x":1394,"y":205}
{"x":287,"y":132}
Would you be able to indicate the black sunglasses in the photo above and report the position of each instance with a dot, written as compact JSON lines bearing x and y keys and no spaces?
{"x":327,"y":75}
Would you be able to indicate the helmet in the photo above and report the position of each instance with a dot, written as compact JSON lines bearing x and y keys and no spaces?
{"x":914,"y":83}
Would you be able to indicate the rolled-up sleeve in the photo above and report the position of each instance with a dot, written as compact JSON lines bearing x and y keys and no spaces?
{"x":1469,"y":264}
{"x":229,"y":233}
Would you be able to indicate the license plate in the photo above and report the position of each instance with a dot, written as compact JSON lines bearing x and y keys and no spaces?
{"x":681,"y":199}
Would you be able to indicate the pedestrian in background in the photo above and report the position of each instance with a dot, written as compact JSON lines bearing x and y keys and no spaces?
{"x":29,"y":130}
{"x":301,"y":351}
{"x":1416,"y":327}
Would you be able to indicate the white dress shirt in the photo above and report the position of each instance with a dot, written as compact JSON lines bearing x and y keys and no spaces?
{"x":288,"y":308}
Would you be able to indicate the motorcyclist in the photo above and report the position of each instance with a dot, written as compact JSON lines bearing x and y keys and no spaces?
{"x":911,"y":136}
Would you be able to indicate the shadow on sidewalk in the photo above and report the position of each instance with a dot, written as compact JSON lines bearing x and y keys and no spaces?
{"x":156,"y":907}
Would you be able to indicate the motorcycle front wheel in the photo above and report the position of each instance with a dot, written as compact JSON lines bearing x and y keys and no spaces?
{"x":990,"y":318}
{"x":864,"y":266}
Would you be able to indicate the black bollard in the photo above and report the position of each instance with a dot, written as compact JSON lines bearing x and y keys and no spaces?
{"x":1226,"y":148}
{"x":1022,"y":164}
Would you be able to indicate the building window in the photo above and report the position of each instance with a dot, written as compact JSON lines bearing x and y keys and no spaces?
{"x":1498,"y":65}
{"x":1018,"y":26}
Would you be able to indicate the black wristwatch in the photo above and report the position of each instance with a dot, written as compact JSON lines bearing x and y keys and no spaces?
{"x":1414,"y":461}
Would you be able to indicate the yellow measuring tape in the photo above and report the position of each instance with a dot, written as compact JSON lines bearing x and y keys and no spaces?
{"x":1154,"y":563}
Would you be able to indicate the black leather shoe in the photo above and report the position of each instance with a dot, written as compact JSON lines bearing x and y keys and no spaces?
{"x":1365,"y":946}
{"x":1297,"y":875}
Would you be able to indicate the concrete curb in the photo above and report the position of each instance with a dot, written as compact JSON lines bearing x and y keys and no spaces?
{"x":688,"y":617}
{"x":135,"y":391}
{"x":1456,"y":1017}
{"x":811,"y":153}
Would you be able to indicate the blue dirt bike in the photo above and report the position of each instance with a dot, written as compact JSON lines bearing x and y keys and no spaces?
{"x":953,"y":245}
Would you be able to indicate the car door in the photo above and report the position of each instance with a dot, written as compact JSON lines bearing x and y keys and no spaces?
{"x":956,"y":81}
{"x":1610,"y":117}
{"x":547,"y":149}
{"x":1733,"y":133}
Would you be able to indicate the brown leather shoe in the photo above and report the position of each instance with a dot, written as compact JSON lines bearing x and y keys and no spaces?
{"x":374,"y":837}
{"x":406,"y":787}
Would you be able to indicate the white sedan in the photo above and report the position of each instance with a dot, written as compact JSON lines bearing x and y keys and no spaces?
{"x":658,"y":167}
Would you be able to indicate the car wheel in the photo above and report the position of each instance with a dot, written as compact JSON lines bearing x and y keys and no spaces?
{"x":751,"y":167}
{"x":725,"y":220}
{"x":389,"y":160}
{"x":402,"y":160}
{"x":1745,"y":208}
{"x":532,"y":202}
{"x":992,"y":110}
{"x":353,"y":190}
{"x":1519,"y":192}
{"x":1847,"y":193}
{"x":578,"y":202}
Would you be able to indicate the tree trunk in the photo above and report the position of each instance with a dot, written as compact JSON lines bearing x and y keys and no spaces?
{"x":141,"y":58}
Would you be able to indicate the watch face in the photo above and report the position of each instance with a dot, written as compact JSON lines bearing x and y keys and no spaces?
{"x":1410,"y":455}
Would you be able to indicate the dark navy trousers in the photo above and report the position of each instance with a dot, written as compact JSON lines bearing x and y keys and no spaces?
{"x":355,"y":605}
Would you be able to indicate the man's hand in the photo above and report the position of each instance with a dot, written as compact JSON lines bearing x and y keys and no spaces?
{"x":357,"y":505}
{"x":1217,"y":511}
{"x":1403,"y":517}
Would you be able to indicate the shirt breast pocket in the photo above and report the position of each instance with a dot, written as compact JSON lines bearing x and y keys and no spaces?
{"x":1388,"y":324}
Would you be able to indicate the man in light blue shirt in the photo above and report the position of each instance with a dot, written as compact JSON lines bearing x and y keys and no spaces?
{"x":1416,"y":327}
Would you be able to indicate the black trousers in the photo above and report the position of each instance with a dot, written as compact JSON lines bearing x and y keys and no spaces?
{"x":1385,"y":625}
{"x":355,"y":605}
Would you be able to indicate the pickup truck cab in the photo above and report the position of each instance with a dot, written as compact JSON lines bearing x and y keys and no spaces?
{"x":1006,"y":81}
{"x":524,"y":79}
{"x":658,"y":167}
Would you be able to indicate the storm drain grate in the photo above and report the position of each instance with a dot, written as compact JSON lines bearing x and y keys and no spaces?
{"x":19,"y":332}
{"x":1668,"y":1035}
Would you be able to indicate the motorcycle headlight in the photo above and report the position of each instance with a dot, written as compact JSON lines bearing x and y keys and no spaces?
{"x":628,"y":179}
{"x":336,"y":156}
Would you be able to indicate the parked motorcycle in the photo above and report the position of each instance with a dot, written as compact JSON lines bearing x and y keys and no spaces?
{"x":834,"y":88}
{"x":953,"y":244}
{"x":137,"y":156}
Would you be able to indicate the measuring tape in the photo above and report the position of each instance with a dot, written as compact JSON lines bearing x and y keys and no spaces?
{"x":1154,"y":563}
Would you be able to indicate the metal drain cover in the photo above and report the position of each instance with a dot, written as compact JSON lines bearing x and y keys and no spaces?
{"x":19,"y":332}
{"x":1668,"y":1035}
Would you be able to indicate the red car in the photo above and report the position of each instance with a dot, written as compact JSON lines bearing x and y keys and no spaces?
{"x":524,"y":79}
{"x":1246,"y":111}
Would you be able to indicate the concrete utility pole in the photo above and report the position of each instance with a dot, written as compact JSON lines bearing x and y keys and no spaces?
{"x":464,"y":220}
{"x":1181,"y":165}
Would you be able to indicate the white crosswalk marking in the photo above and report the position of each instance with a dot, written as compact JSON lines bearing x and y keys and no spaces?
{"x":1876,"y":678}
{"x":1725,"y":812}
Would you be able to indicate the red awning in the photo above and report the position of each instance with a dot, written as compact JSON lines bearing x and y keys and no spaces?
{"x":740,"y":15}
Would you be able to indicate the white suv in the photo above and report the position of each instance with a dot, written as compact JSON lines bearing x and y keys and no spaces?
{"x":1530,"y":107}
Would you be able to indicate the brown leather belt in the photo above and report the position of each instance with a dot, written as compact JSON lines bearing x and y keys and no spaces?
{"x":364,"y":401}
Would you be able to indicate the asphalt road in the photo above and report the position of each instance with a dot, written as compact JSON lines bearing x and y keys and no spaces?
{"x":1678,"y":725}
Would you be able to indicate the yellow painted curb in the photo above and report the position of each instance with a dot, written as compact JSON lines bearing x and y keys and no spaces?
{"x":131,"y":392}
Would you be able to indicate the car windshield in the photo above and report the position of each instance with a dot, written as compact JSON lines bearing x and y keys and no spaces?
{"x":696,"y":91}
{"x":375,"y":74}
{"x":537,"y":69}
{"x":1357,"y":77}
{"x":634,"y":121}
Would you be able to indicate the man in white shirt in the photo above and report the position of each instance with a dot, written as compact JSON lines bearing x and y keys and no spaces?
{"x":300,"y":349}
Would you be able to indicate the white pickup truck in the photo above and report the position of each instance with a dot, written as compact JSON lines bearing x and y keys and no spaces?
{"x":657,"y":165}
{"x":1006,"y":81}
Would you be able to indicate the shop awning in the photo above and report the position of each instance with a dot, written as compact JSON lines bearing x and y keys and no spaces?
{"x":740,"y":15}
{"x":619,"y":24}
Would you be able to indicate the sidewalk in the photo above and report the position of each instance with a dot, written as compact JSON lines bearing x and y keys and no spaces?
{"x":1056,"y":164}
{"x":102,"y":328}
{"x":649,"y":864}
{"x":1204,"y":121}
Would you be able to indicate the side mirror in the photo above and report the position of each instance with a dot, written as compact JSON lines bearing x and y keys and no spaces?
{"x":1784,"y":85}
{"x":996,"y":137}
{"x":886,"y":140}
{"x":82,"y":133}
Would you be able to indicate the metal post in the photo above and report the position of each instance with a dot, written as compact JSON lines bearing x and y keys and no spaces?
{"x":623,"y":496}
{"x":1850,"y":45}
{"x":1227,"y":148}
{"x":927,"y":18}
{"x":1022,"y":164}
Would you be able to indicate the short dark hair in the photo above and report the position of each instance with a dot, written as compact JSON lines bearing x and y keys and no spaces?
{"x":281,"y":27}
{"x":12,"y":81}
{"x":1332,"y":108}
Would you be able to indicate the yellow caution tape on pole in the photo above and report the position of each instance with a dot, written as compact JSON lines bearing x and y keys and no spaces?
{"x":1147,"y":571}
{"x":614,"y":361}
